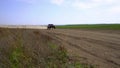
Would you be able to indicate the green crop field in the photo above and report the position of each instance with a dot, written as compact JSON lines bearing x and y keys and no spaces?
{"x":90,"y":26}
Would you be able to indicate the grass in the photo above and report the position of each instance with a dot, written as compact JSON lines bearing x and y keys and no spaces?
{"x":92,"y":26}
{"x":59,"y":58}
{"x":17,"y":57}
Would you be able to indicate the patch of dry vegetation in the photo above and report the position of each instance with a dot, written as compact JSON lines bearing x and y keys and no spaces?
{"x":21,"y":48}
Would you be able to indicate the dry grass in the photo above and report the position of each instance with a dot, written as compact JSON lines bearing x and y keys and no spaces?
{"x":21,"y":48}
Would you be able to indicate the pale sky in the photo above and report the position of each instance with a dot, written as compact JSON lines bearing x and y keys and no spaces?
{"x":42,"y":12}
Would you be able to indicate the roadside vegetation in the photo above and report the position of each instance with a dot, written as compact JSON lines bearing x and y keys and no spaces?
{"x":31,"y":49}
{"x":90,"y":26}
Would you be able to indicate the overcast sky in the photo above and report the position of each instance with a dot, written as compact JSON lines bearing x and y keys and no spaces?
{"x":42,"y":12}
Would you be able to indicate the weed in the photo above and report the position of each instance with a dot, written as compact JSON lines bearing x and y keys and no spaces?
{"x":59,"y":59}
{"x":18,"y":58}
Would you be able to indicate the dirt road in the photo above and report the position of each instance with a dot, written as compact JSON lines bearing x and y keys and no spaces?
{"x":99,"y":47}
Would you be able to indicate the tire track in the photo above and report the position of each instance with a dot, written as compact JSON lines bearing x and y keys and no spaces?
{"x":100,"y":42}
{"x":68,"y":36}
{"x":88,"y":52}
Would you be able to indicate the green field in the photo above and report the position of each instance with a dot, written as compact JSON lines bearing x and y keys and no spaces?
{"x":90,"y":26}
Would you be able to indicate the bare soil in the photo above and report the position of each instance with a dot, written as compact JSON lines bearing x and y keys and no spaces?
{"x":97,"y":47}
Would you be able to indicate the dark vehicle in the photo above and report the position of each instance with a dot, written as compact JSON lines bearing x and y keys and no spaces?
{"x":51,"y":26}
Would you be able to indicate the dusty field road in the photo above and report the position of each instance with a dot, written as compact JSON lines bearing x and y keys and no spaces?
{"x":99,"y":47}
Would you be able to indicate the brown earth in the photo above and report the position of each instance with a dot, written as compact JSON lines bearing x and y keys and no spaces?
{"x":97,"y":47}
